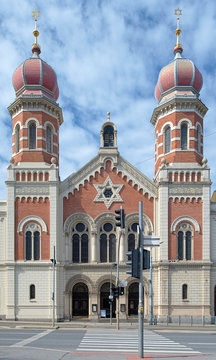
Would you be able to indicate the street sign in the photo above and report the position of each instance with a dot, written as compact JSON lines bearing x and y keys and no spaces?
{"x":150,"y":241}
{"x":123,"y":283}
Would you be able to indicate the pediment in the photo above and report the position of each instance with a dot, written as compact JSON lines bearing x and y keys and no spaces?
{"x":132,"y":174}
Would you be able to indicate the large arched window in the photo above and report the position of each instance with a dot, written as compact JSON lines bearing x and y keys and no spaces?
{"x":49,"y":139}
{"x":107,"y":243}
{"x":17,"y":138}
{"x":80,"y":243}
{"x":32,"y":135}
{"x":167,"y":140}
{"x":108,"y":136}
{"x":132,"y":232}
{"x":199,"y":138}
{"x":184,"y":136}
{"x":184,"y":239}
{"x":32,"y":242}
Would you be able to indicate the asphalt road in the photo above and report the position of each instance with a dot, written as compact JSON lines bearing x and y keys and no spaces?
{"x":104,"y":344}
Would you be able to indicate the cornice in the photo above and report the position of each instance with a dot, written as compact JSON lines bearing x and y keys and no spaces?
{"x":36,"y":103}
{"x":179,"y":104}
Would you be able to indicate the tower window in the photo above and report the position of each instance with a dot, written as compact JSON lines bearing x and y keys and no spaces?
{"x":32,"y":292}
{"x":167,"y":140}
{"x":32,"y":242}
{"x":80,"y":243}
{"x":184,"y":292}
{"x":32,"y":136}
{"x":17,"y":138}
{"x":48,"y":139}
{"x":184,"y":136}
{"x":184,"y":239}
{"x":108,"y":136}
{"x":199,"y":138}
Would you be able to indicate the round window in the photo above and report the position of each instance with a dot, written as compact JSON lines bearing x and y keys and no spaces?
{"x":108,"y":227}
{"x":80,"y":227}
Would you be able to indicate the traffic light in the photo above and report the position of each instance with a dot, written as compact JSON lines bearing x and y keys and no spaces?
{"x":115,"y":291}
{"x":120,"y":218}
{"x":121,"y":290}
{"x":134,"y":263}
{"x":146,"y":259}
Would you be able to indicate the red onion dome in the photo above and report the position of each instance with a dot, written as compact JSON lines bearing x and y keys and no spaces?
{"x":35,"y":77}
{"x":180,"y":74}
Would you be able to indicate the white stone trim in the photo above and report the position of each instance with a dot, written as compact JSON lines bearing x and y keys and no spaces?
{"x":32,"y":218}
{"x":187,"y":219}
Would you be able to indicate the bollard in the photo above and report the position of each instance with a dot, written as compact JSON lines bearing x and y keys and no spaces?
{"x":203,"y":320}
{"x":179,"y":320}
{"x":191,"y":320}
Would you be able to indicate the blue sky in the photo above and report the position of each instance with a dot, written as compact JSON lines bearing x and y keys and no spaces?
{"x":107,"y":55}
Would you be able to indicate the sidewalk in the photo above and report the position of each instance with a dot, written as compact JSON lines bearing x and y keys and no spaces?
{"x":103,"y":324}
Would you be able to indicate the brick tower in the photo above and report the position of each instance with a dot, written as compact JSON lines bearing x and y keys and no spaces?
{"x":33,"y":174}
{"x":181,"y":172}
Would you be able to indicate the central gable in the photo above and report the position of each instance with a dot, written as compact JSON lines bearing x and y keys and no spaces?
{"x":99,"y":187}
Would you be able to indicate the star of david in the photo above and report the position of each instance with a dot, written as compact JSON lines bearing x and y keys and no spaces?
{"x":108,"y":192}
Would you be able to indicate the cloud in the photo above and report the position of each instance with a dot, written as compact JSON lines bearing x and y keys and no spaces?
{"x":107,"y":56}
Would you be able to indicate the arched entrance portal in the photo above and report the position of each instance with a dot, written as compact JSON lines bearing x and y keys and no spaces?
{"x":80,"y":300}
{"x":104,"y":300}
{"x":133,"y":299}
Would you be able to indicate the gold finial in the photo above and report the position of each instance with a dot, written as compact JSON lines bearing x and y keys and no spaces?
{"x":108,"y":116}
{"x":35,"y":14}
{"x":178,"y":46}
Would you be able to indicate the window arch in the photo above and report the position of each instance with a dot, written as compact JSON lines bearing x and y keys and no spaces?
{"x":80,"y":239}
{"x":32,"y":292}
{"x":108,"y":136}
{"x":32,"y":242}
{"x":184,"y":136}
{"x":32,"y":135}
{"x":167,"y":139}
{"x":199,"y":138}
{"x":49,"y":139}
{"x":184,"y":292}
{"x":107,"y":243}
{"x":17,"y":138}
{"x":184,"y":239}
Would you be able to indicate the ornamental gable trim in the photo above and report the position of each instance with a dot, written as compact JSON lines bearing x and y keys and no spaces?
{"x":117,"y":162}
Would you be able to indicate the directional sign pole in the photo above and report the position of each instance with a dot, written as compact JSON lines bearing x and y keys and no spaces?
{"x":140,"y":311}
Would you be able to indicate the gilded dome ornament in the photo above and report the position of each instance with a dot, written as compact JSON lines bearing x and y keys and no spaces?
{"x":178,"y":46}
{"x":36,"y":46}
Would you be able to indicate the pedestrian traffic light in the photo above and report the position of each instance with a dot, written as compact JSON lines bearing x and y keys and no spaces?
{"x":121,"y":290}
{"x":120,"y":218}
{"x":146,"y":259}
{"x":116,"y":291}
{"x":134,"y":263}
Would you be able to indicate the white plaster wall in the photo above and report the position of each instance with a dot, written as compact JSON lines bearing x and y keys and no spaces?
{"x":41,"y":306}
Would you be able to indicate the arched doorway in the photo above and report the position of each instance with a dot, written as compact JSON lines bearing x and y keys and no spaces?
{"x":104,"y":300}
{"x":80,"y":300}
{"x":133,"y":299}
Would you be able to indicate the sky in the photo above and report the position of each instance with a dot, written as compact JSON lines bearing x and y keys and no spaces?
{"x":107,"y":55}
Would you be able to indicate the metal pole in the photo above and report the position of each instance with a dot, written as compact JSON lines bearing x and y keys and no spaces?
{"x":140,"y":311}
{"x":151,"y":302}
{"x":53,"y":293}
{"x":117,"y":282}
{"x":110,"y":296}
